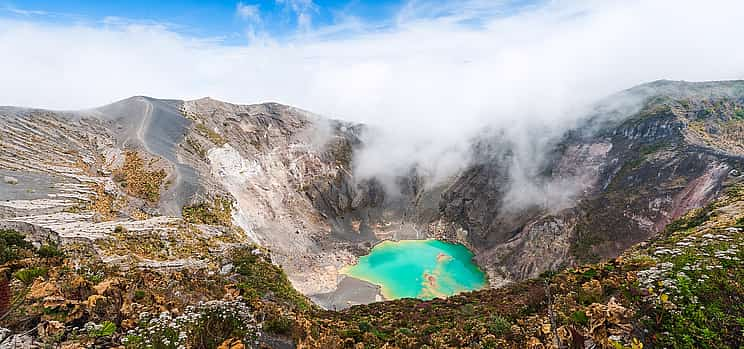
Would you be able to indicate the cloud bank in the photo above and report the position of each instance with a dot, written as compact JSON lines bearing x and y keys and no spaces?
{"x":427,"y":81}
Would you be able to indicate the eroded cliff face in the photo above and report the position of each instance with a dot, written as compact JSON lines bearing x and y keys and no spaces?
{"x":631,"y":175}
{"x":288,"y":172}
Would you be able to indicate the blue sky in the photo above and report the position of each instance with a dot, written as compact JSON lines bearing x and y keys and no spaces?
{"x":233,"y":22}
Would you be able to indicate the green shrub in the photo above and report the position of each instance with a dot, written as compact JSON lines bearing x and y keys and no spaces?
{"x":693,"y":219}
{"x":739,"y":223}
{"x":13,"y":245}
{"x":139,"y":294}
{"x":739,"y":114}
{"x":499,"y":325}
{"x":50,"y":250}
{"x":120,"y":229}
{"x":261,"y":278}
{"x":278,"y":325}
{"x":215,"y":327}
{"x":468,"y":309}
{"x":579,"y":317}
{"x":649,"y":149}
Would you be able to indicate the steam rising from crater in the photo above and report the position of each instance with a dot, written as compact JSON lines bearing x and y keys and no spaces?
{"x":427,"y":85}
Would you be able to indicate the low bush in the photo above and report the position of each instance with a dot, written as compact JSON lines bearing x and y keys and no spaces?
{"x":50,"y":249}
{"x":278,"y":325}
{"x":13,"y":246}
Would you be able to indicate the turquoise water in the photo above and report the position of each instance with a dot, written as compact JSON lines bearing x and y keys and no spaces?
{"x":421,"y":269}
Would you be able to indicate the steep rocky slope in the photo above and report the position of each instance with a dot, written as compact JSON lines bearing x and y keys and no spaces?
{"x":282,"y":174}
{"x":681,"y":289}
{"x":201,"y":200}
{"x":632,"y":172}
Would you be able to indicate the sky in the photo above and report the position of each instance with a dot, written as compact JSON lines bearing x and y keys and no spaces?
{"x":231,"y":22}
{"x":427,"y":75}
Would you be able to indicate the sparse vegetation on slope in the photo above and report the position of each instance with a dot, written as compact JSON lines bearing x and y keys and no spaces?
{"x":137,"y":179}
{"x":679,"y":290}
{"x":214,"y":137}
{"x":261,"y":279}
{"x":217,"y":212}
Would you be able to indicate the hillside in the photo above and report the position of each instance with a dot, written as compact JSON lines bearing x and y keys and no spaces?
{"x":159,"y":223}
{"x":682,"y":289}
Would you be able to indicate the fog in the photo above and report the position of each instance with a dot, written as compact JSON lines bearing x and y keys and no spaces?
{"x":427,"y":83}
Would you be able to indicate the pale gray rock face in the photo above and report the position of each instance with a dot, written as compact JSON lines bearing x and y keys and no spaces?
{"x":4,"y":333}
{"x":226,"y":269}
{"x":10,"y":180}
{"x":615,"y":180}
{"x":19,"y":341}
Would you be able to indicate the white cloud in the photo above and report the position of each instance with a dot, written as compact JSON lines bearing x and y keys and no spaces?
{"x":25,"y":12}
{"x":429,"y":84}
{"x":303,"y":10}
{"x":248,"y":12}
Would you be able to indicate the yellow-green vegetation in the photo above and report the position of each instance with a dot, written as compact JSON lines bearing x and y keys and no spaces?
{"x":196,"y":146}
{"x":218,"y":212}
{"x":28,"y":275}
{"x":262,"y":279}
{"x":50,"y":249}
{"x":214,"y":137}
{"x":183,"y":241}
{"x":137,"y":180}
{"x":102,"y":203}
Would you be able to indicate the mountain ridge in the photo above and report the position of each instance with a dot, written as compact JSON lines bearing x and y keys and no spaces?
{"x":170,"y":187}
